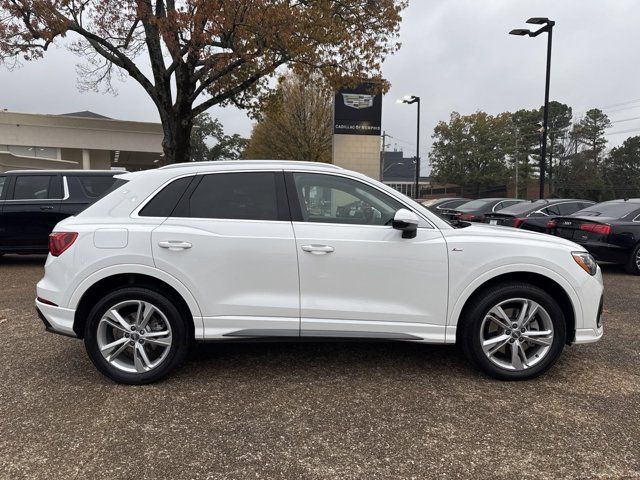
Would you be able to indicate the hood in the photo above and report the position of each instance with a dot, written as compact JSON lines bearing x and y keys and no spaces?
{"x":485,"y":230}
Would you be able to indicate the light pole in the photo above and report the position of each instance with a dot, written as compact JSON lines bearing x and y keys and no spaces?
{"x":548,"y":27}
{"x":411,"y":99}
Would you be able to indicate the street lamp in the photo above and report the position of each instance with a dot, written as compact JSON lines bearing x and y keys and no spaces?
{"x":548,"y":27}
{"x":411,"y":99}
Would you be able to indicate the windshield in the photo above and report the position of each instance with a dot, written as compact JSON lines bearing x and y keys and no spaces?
{"x":475,"y":204}
{"x":524,"y":207}
{"x":608,"y":209}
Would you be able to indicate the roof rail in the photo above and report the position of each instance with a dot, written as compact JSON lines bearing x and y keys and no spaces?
{"x":250,"y":162}
{"x":45,"y":171}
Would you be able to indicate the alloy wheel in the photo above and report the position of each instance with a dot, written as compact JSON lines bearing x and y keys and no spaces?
{"x":516,"y":334}
{"x":134,"y":336}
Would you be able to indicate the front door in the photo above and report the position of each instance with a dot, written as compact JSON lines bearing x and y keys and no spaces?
{"x":358,"y":276}
{"x":231,"y":243}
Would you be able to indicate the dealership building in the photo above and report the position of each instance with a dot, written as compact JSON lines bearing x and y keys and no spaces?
{"x":79,"y":140}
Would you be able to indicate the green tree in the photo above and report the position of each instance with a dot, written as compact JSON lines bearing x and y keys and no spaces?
{"x":209,"y":142}
{"x":295,"y":123}
{"x":590,"y":132}
{"x":560,"y":116}
{"x":621,"y":169}
{"x":526,"y":133}
{"x":206,"y":52}
{"x":472,"y":150}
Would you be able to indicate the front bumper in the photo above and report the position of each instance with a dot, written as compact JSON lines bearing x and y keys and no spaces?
{"x":588,"y":335}
{"x":592,"y":335}
{"x":56,"y":319}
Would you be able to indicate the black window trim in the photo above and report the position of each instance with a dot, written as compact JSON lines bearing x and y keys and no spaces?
{"x":296,"y":209}
{"x":282,"y":203}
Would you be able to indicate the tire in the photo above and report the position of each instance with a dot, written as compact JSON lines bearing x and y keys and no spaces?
{"x":535,"y":350}
{"x":155,"y":343}
{"x":633,"y":265}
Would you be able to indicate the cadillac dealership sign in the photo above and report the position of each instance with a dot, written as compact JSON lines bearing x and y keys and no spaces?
{"x":357,"y":112}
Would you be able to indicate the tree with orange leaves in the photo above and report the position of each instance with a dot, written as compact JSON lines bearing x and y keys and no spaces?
{"x":203,"y":53}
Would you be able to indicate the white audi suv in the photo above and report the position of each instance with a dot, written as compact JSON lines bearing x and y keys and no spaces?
{"x":228,"y":251}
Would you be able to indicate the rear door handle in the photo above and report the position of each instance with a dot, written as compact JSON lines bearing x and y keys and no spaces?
{"x":318,"y":249}
{"x":174,"y":245}
{"x":46,"y":207}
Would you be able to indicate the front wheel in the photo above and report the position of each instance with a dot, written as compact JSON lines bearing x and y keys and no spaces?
{"x":633,"y":264}
{"x":136,"y":335}
{"x":513,"y":331}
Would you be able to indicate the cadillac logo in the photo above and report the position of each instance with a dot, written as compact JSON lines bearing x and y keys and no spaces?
{"x":357,"y":100}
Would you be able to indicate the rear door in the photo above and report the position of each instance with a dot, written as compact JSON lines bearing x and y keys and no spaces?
{"x":230,"y":241}
{"x":31,"y":210}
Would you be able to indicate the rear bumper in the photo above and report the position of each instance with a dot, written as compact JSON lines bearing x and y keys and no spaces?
{"x":56,"y":319}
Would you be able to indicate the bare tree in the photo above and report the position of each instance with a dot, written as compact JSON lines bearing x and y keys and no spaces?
{"x":203,"y":53}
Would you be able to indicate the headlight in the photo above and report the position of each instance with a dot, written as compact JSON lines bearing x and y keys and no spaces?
{"x":586,"y":261}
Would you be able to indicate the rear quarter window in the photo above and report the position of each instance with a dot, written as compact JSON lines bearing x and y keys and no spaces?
{"x":165,"y":201}
{"x":95,"y":186}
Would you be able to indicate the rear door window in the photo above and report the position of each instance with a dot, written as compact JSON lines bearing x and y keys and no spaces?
{"x":237,"y":196}
{"x":3,"y":182}
{"x":36,"y":187}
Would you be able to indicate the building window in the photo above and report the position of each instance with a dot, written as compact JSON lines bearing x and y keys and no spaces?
{"x":50,"y":153}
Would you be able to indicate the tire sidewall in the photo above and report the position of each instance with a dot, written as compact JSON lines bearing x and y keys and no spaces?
{"x":473,"y":321}
{"x":175,"y":318}
{"x":632,"y":266}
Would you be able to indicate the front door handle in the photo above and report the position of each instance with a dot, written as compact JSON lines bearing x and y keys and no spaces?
{"x":318,"y":249}
{"x":174,"y":245}
{"x":46,"y":207}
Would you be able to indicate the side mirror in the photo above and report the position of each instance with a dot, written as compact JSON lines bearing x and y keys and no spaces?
{"x":407,"y":221}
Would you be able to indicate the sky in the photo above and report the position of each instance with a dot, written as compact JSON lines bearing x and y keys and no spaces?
{"x":456,"y":55}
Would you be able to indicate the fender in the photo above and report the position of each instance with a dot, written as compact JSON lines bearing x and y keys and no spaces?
{"x":455,"y":312}
{"x":103,"y":273}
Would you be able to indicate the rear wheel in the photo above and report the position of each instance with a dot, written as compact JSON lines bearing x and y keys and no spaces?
{"x":513,"y":331}
{"x":136,"y":335}
{"x":633,"y":265}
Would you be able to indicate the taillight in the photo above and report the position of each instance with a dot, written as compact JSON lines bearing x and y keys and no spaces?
{"x":551,"y":224}
{"x":596,"y":228}
{"x":467,"y":216}
{"x":60,"y":241}
{"x":518,"y":222}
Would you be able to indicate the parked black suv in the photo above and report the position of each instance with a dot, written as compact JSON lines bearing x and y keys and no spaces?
{"x":32,"y":202}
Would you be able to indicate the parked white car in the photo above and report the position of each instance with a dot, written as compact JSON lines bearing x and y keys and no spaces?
{"x":257,"y":249}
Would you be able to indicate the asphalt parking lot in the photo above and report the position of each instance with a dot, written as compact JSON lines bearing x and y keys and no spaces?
{"x":316,"y":410}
